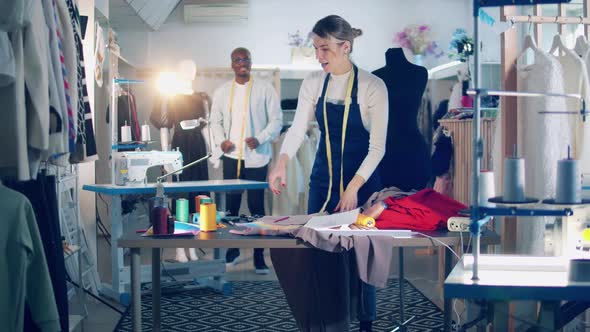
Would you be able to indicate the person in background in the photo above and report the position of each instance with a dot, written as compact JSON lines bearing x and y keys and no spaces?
{"x":245,"y":119}
{"x":351,"y":108}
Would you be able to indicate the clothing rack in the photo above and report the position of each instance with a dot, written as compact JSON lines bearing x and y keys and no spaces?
{"x":509,"y":55}
{"x":481,"y":215}
{"x":116,"y":82}
{"x":549,"y":19}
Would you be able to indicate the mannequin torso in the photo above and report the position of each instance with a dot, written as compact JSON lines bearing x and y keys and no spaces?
{"x":406,"y":164}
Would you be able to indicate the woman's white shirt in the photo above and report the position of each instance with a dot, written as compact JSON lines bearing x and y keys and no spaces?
{"x":374,"y":107}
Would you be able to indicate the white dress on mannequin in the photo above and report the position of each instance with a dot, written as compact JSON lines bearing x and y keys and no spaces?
{"x":542,"y":140}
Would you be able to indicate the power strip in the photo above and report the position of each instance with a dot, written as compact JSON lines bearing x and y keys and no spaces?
{"x":458,"y":224}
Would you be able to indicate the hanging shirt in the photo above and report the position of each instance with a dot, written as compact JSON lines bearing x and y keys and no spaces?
{"x":23,"y":269}
{"x":372,"y":98}
{"x":263,"y":120}
{"x":7,"y":65}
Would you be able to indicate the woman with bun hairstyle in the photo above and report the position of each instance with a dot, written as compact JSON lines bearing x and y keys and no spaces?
{"x":351,"y":108}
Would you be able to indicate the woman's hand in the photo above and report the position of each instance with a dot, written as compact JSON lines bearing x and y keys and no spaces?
{"x":278,"y":173}
{"x":375,"y":210}
{"x":348,"y":200}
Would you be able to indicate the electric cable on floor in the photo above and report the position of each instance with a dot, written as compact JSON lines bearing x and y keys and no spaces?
{"x":68,"y":279}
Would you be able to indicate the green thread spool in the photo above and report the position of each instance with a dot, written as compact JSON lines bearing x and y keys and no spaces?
{"x":182,"y":209}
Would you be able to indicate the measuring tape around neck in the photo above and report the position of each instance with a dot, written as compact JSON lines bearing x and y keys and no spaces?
{"x":347,"y":102}
{"x":246,"y":103}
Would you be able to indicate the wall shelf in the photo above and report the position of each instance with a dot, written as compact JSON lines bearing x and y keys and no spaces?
{"x":291,"y":71}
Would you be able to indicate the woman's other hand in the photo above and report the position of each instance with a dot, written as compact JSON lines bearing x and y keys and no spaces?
{"x":278,"y":174}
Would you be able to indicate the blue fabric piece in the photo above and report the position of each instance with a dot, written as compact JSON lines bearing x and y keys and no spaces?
{"x":486,"y":18}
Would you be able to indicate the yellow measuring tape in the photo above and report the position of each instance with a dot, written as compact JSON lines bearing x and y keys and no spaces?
{"x":231,"y":103}
{"x":347,"y":102}
{"x":364,"y":220}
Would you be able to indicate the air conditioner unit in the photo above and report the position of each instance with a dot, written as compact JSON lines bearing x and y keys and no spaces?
{"x":223,"y":12}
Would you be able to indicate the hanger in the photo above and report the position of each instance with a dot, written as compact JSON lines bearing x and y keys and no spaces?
{"x":527,"y":44}
{"x":581,"y":46}
{"x":558,"y":45}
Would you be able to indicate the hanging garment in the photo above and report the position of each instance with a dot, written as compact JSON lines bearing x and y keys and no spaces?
{"x":99,"y":54}
{"x":7,"y":65}
{"x":57,"y":85}
{"x":306,"y":156}
{"x":14,"y":14}
{"x":575,"y":79}
{"x":542,"y":140}
{"x":127,"y":115}
{"x":581,"y":47}
{"x":26,"y":125}
{"x":288,"y":202}
{"x":85,"y":141}
{"x":70,"y":58}
{"x":23,"y":269}
{"x":584,"y":127}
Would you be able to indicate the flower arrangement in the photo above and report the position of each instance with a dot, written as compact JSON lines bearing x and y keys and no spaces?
{"x":297,"y":40}
{"x":461,"y":47}
{"x":418,"y":38}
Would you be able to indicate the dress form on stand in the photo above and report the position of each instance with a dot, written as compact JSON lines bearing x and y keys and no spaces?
{"x":406,"y":163}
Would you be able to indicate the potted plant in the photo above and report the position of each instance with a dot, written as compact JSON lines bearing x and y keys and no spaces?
{"x":302,"y":51}
{"x":418,"y":39}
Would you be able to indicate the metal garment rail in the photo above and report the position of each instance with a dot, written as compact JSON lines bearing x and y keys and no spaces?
{"x":478,"y":218}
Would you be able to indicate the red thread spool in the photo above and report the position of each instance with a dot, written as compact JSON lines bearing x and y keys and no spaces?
{"x":198,"y":202}
{"x":159,"y":219}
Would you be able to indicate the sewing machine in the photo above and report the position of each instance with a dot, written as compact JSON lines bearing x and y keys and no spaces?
{"x":569,"y":236}
{"x":131,"y":167}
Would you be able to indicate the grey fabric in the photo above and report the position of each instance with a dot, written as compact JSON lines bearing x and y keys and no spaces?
{"x":386,"y":193}
{"x":373,"y":253}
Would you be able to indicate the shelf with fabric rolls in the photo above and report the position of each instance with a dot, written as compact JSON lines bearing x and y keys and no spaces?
{"x":461,"y":133}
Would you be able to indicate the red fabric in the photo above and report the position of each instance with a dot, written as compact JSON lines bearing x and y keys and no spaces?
{"x":425,"y":210}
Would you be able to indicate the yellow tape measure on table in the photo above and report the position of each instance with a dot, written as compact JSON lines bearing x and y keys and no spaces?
{"x":347,"y":102}
{"x":364,"y":220}
{"x":246,"y":104}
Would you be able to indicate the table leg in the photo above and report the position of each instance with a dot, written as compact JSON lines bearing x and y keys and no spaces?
{"x":136,"y":289}
{"x":547,"y":315}
{"x":501,"y":311}
{"x":401,"y":279}
{"x":156,"y":290}
{"x":448,"y":303}
{"x":402,"y":312}
{"x":117,"y":264}
{"x":217,"y":251}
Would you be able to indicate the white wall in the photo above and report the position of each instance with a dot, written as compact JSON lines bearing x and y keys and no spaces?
{"x":269,"y":22}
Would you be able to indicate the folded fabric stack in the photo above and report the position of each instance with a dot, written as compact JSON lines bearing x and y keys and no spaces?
{"x":426,"y":210}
